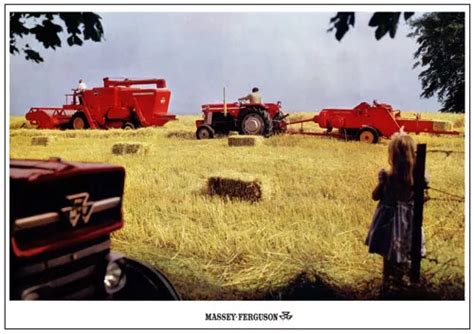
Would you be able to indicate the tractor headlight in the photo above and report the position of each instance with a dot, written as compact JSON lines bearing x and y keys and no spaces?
{"x":114,"y":278}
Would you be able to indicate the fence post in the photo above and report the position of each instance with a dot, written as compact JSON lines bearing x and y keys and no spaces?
{"x":419,"y":185}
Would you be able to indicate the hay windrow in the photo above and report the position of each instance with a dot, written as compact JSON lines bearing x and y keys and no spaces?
{"x":130,"y":148}
{"x":237,"y":186}
{"x":244,"y":140}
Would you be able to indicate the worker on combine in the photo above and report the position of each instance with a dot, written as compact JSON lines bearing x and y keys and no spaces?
{"x":79,"y":90}
{"x":253,"y":97}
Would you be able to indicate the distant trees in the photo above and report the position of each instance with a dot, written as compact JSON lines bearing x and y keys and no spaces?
{"x":440,"y":38}
{"x":46,"y":29}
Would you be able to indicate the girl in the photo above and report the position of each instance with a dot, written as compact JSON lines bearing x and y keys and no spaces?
{"x":390,"y":233}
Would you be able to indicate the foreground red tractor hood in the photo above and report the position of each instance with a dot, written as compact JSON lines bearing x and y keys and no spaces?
{"x":56,"y":204}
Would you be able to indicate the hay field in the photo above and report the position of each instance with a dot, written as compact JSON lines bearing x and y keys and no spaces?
{"x":306,"y":242}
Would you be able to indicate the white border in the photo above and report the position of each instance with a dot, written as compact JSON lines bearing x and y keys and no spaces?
{"x":191,"y":314}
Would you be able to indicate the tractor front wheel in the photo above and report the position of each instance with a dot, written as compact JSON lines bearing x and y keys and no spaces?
{"x":79,"y":121}
{"x":254,"y":121}
{"x":368,"y":135}
{"x":205,"y":132}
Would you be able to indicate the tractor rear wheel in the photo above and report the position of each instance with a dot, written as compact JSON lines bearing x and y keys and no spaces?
{"x":79,"y":121}
{"x":205,"y":132}
{"x":368,"y":135}
{"x":254,"y":121}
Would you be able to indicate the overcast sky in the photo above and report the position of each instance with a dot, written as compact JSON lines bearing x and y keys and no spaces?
{"x":289,"y":56}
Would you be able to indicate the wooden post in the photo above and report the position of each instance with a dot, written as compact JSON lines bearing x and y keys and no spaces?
{"x":419,"y":185}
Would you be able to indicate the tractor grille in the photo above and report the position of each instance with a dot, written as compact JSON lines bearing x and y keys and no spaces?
{"x":72,"y":273}
{"x":55,"y":212}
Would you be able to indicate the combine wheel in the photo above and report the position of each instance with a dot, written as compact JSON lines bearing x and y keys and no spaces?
{"x":368,"y":135}
{"x":128,"y":126}
{"x":79,"y":121}
{"x":205,"y":132}
{"x":254,"y":121}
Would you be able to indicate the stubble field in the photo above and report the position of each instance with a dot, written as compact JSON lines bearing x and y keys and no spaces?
{"x":305,"y":242}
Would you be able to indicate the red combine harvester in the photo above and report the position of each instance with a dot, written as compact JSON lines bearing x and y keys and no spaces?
{"x":246,"y":118}
{"x":116,"y":105}
{"x":368,"y":123}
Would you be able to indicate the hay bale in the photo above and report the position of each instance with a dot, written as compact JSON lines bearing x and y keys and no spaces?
{"x":244,"y":140}
{"x":130,"y":148}
{"x":40,"y":140}
{"x":181,"y":134}
{"x":442,"y":126}
{"x":239,"y":186}
{"x":233,"y":133}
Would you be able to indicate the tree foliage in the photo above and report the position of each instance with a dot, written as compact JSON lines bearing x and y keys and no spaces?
{"x":384,"y":22}
{"x":46,"y":28}
{"x":440,"y":39}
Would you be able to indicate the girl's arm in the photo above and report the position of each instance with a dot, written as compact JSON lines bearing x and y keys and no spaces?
{"x":377,"y":194}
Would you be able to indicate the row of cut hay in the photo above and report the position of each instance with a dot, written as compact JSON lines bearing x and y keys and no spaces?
{"x":117,"y":148}
{"x":239,"y":186}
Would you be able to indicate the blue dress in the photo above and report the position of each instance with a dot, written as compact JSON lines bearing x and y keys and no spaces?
{"x":390,"y":233}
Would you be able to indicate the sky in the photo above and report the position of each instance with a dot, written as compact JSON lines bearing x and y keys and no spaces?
{"x":290,"y":56}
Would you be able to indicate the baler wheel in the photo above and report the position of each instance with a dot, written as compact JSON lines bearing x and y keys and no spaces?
{"x":368,"y":135}
{"x":129,"y":126}
{"x":79,"y":121}
{"x":254,"y":121}
{"x":205,"y":132}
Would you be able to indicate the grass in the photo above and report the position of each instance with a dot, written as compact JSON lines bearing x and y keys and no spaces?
{"x":308,"y":236}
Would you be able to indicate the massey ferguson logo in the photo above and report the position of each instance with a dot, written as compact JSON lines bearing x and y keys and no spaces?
{"x":163,"y":100}
{"x":80,"y":209}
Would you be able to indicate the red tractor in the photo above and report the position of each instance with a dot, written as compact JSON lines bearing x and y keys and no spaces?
{"x":116,"y":105}
{"x":246,"y":118}
{"x":61,"y":218}
{"x":368,"y":123}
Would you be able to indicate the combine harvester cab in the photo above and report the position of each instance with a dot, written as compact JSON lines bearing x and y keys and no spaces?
{"x":61,"y":217}
{"x":118,"y":104}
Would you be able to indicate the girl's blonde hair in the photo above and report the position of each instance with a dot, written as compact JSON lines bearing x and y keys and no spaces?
{"x":401,"y":157}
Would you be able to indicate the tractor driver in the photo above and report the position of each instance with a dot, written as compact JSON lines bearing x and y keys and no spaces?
{"x":253,"y":97}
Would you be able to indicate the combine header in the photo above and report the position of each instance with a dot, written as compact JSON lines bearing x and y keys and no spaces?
{"x":368,"y":123}
{"x":116,"y":105}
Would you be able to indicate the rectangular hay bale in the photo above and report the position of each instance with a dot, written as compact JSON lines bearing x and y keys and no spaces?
{"x":233,"y":133}
{"x":442,"y":126}
{"x":130,"y":148}
{"x":40,"y":140}
{"x":244,"y":140}
{"x":239,"y":186}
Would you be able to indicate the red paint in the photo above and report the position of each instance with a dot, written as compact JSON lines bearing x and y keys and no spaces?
{"x":111,"y":106}
{"x":380,"y":117}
